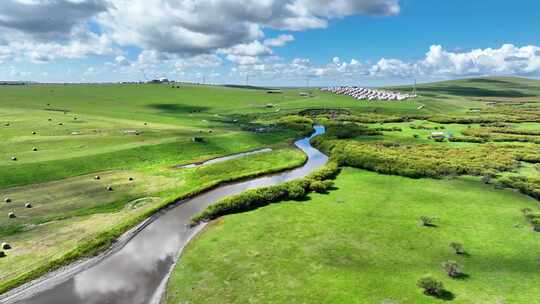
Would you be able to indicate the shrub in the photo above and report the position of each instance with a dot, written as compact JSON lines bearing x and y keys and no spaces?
{"x":529,"y":186}
{"x":430,"y":285}
{"x":536,"y":224}
{"x":469,"y":139}
{"x":451,"y":268}
{"x":458,"y":248}
{"x":295,"y":191}
{"x":427,"y":221}
{"x":320,"y":186}
{"x":256,"y":198}
{"x":349,"y":130}
{"x":328,"y":171}
{"x":421,"y":160}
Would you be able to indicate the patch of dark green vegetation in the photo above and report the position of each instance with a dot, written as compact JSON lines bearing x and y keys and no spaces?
{"x":419,"y":160}
{"x":527,"y":185}
{"x":319,"y":181}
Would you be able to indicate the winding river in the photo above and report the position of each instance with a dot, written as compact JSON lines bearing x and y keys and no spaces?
{"x":138,"y":271}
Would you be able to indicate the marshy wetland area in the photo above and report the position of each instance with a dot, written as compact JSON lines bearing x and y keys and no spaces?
{"x":307,"y":196}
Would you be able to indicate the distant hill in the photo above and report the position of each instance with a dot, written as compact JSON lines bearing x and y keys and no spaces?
{"x":7,"y":82}
{"x":513,"y":87}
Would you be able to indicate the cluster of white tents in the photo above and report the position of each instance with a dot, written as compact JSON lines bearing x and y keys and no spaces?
{"x":368,"y":94}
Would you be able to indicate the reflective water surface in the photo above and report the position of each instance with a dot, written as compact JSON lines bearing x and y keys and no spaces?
{"x":225,"y":158}
{"x":135,"y":272}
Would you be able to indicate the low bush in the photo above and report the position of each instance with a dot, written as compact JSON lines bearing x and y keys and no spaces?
{"x":388,"y":129}
{"x":431,"y":286}
{"x":469,"y":139}
{"x":451,"y":268}
{"x":321,"y":186}
{"x":526,"y":185}
{"x":427,"y":221}
{"x":253,"y":199}
{"x":297,"y":123}
{"x":342,"y":130}
{"x":457,"y":247}
{"x":418,"y":160}
{"x":328,"y":171}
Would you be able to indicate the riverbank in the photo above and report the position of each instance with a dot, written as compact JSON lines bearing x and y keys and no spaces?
{"x":114,"y":225}
{"x":177,"y":216}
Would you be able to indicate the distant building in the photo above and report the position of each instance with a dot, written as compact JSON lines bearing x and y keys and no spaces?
{"x":159,"y":80}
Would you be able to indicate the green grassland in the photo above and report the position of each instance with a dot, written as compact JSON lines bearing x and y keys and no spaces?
{"x":69,"y":214}
{"x":363,"y":243}
{"x":144,"y":131}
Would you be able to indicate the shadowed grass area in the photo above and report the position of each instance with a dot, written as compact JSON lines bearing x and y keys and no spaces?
{"x":363,"y":243}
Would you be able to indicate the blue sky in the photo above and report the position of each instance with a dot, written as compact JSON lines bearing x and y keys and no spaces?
{"x":275,"y":42}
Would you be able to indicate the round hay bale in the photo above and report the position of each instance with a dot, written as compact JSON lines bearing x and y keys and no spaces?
{"x":75,"y":118}
{"x":14,"y":158}
{"x":60,"y":124}
{"x":34,"y":149}
{"x":146,"y":124}
{"x":97,"y":177}
{"x":34,"y":133}
{"x":11,"y":215}
{"x":28,"y":205}
{"x":6,"y":246}
{"x":7,"y":200}
{"x":50,"y":119}
{"x":131,"y":178}
{"x":109,"y":188}
{"x":7,"y":124}
{"x":2,"y":254}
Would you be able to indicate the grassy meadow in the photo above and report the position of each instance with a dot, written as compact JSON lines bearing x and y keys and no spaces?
{"x":57,"y":138}
{"x":364,"y":243}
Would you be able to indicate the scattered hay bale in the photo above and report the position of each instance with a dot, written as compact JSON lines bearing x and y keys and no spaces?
{"x":97,"y":177}
{"x":34,"y":133}
{"x":14,"y":158}
{"x":210,"y":131}
{"x":6,"y":124}
{"x":50,"y":119}
{"x":12,"y":215}
{"x":131,"y":178}
{"x":7,"y":200}
{"x":34,"y":149}
{"x":129,"y":132}
{"x":6,"y":246}
{"x":75,"y":118}
{"x":28,"y":205}
{"x":109,"y":188}
{"x":146,"y":124}
{"x":60,"y":123}
{"x":2,"y":254}
{"x":197,"y":139}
